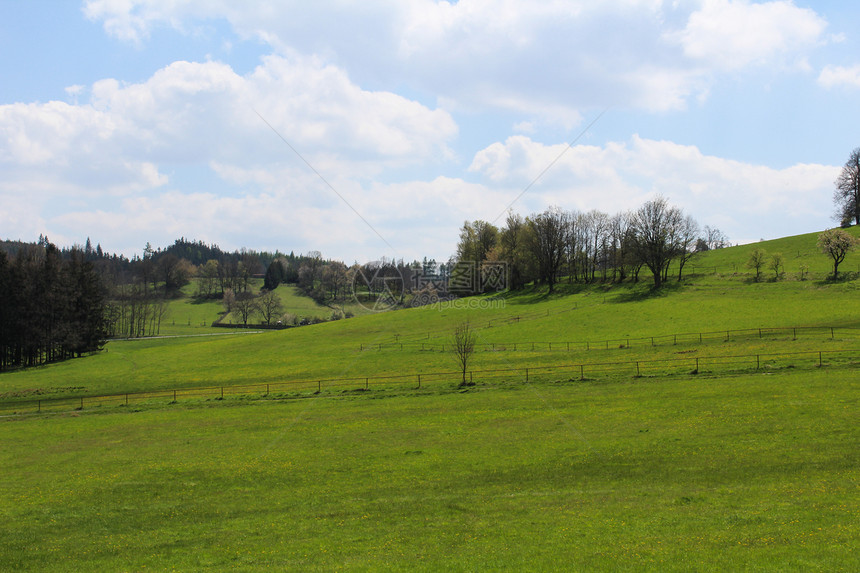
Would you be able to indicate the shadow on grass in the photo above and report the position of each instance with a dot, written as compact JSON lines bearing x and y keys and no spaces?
{"x":644,"y":291}
{"x":534,"y":294}
{"x":203,"y":299}
{"x":844,"y":277}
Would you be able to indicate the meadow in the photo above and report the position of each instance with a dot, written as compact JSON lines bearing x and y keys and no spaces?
{"x":705,"y":471}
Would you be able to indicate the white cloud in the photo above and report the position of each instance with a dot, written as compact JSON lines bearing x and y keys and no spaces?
{"x":189,"y":113}
{"x":733,"y":34}
{"x":547,"y":60}
{"x":621,"y":176}
{"x":183,"y":153}
{"x":196,"y":123}
{"x":838,"y":76}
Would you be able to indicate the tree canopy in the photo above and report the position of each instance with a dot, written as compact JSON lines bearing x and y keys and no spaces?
{"x":847,"y":193}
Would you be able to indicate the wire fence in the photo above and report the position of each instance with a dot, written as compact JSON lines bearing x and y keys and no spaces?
{"x":691,"y":365}
{"x":629,"y":342}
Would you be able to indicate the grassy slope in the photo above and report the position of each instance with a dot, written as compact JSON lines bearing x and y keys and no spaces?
{"x":704,"y":303}
{"x":690,"y":472}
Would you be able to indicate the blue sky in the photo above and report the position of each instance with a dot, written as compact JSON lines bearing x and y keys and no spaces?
{"x":138,"y":121}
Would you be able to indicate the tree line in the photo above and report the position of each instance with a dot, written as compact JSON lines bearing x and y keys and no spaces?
{"x":53,"y":306}
{"x":586,"y":246}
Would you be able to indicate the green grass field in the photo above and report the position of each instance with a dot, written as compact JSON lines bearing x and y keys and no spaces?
{"x":737,"y":468}
{"x":727,"y":473}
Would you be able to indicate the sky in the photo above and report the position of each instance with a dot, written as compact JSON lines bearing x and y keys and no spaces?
{"x":376,"y":129}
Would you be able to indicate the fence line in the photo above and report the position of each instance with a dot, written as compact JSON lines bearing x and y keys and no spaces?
{"x":627,"y":342}
{"x":576,"y":371}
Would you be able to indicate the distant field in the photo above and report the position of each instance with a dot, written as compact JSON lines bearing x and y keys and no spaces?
{"x":722,"y":469}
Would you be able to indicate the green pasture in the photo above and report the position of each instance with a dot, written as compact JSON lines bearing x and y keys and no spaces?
{"x":615,"y":322}
{"x":797,"y":251}
{"x":660,"y":462}
{"x":753,"y":472}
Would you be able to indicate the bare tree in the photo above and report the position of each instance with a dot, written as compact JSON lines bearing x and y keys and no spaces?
{"x":714,"y":239}
{"x":847,"y":193}
{"x":836,"y":243}
{"x":685,"y":243}
{"x":756,"y":262}
{"x":777,"y":265}
{"x":246,"y":306}
{"x":207,"y":280}
{"x":335,"y":280}
{"x":655,"y":226}
{"x":547,"y":243}
{"x":269,"y":305}
{"x":463,"y":341}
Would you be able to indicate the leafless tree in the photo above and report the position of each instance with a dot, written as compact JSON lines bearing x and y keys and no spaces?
{"x":655,"y":227}
{"x":269,"y":304}
{"x":777,"y":264}
{"x":685,"y":243}
{"x":245,"y":305}
{"x":713,"y":238}
{"x":847,"y":193}
{"x":756,"y":262}
{"x":207,"y":278}
{"x":463,"y":342}
{"x":547,"y":243}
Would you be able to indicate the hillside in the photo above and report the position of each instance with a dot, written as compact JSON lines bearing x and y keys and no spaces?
{"x":692,"y":429}
{"x":709,"y":299}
